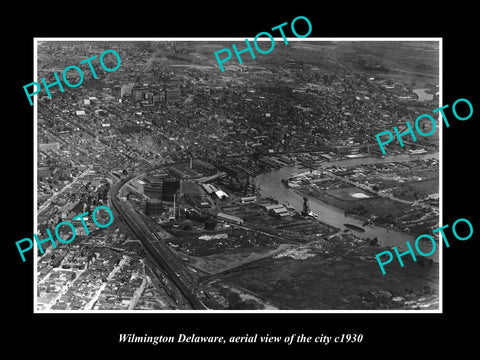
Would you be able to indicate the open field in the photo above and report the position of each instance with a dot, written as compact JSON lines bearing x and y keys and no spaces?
{"x":414,"y":189}
{"x":224,"y":242}
{"x":348,"y":194}
{"x":405,"y":61}
{"x":352,"y":280}
{"x":215,"y":263}
{"x":377,"y":206}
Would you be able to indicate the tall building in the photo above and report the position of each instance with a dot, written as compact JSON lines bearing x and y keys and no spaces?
{"x":154,"y":207}
{"x":153,"y":187}
{"x":170,"y":187}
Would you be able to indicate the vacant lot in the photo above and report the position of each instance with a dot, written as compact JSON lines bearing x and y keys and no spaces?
{"x":350,"y":281}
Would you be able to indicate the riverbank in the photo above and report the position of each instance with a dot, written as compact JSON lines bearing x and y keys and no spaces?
{"x":271,"y":186}
{"x":404,"y":196}
{"x":375,"y":205}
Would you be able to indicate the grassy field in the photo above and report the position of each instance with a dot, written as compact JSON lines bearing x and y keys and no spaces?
{"x":350,"y":281}
{"x":374,"y":206}
{"x":346,"y":193}
{"x":406,"y":61}
{"x":416,"y":189}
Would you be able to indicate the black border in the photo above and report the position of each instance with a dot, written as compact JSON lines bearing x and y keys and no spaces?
{"x":384,"y":334}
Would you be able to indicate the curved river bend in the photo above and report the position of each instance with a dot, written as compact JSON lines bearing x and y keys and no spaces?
{"x":271,"y":186}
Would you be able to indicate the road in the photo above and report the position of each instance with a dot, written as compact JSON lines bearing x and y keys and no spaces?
{"x":95,"y":297}
{"x":66,"y":286}
{"x":53,"y":197}
{"x":137,"y":294}
{"x":159,"y":250}
{"x":180,"y":274}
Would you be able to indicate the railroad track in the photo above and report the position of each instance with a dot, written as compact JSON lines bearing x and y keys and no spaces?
{"x":148,"y":240}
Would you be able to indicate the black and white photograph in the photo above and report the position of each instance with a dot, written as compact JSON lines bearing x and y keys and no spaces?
{"x":207,"y":180}
{"x":260,"y":187}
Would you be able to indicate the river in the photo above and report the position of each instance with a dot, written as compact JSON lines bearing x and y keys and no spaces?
{"x":271,"y":186}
